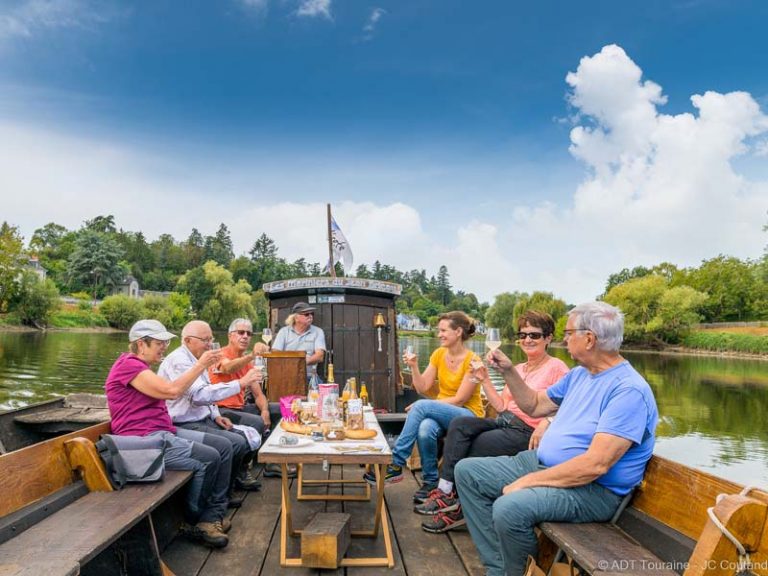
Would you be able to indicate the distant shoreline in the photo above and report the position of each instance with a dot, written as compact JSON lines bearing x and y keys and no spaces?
{"x":670,"y":350}
{"x":79,"y":329}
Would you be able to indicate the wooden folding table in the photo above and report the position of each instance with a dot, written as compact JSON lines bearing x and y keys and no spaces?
{"x":374,"y":453}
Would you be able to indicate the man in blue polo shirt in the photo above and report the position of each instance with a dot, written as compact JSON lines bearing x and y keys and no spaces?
{"x":592,"y":455}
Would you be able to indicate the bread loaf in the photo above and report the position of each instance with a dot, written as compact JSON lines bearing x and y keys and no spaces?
{"x":366,"y":434}
{"x":295,"y":427}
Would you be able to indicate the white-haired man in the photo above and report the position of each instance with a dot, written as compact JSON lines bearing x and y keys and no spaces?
{"x":592,"y":455}
{"x":196,"y":409}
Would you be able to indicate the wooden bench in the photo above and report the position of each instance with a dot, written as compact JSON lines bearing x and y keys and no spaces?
{"x":666,"y":530}
{"x":60,"y":516}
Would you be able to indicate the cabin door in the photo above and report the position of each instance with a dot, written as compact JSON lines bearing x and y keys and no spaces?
{"x":351,"y":334}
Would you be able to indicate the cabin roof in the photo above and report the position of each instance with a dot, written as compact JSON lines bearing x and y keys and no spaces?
{"x":328,"y":284}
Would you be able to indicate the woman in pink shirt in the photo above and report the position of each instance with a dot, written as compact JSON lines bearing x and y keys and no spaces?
{"x":512,"y":432}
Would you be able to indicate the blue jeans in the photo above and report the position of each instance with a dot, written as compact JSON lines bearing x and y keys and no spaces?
{"x":427,"y":421}
{"x":505,"y":548}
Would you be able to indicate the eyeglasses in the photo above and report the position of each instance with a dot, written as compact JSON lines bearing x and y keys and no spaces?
{"x":244,"y":333}
{"x":205,"y":340}
{"x":307,"y":314}
{"x":568,"y":331}
{"x":531,"y":335}
{"x":160,"y":343}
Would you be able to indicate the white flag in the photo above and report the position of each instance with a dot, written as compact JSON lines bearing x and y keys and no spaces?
{"x":341,"y":250}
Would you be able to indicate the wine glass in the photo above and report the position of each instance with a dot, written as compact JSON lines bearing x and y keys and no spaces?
{"x":215,"y":346}
{"x":260,"y":363}
{"x":492,"y":339}
{"x":266,"y":336}
{"x":475,"y":364}
{"x":408,"y":355}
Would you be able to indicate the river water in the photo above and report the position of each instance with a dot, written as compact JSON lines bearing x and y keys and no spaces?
{"x":714,"y":411}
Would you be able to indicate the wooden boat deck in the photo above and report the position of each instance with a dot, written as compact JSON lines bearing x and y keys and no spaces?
{"x":254,"y":545}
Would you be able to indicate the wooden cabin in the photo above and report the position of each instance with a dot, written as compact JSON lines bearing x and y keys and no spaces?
{"x":359,"y":320}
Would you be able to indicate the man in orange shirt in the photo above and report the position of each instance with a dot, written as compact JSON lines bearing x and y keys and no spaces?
{"x":237,"y":359}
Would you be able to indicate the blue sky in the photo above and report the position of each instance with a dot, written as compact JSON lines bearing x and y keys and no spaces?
{"x":443,"y":132}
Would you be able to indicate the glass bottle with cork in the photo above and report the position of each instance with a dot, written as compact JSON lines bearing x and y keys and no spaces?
{"x":363,"y":393}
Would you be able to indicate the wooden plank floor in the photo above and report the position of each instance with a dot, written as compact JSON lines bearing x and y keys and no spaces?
{"x":254,"y":542}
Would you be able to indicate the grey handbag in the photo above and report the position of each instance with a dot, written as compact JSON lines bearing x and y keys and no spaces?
{"x":132,"y":458}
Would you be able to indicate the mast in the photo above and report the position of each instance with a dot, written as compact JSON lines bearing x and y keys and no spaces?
{"x":331,"y":263}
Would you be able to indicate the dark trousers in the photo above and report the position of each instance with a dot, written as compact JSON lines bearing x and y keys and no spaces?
{"x":241,"y":452}
{"x":474,"y":437}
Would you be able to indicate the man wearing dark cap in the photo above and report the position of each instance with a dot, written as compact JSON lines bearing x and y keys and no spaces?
{"x":300,"y":334}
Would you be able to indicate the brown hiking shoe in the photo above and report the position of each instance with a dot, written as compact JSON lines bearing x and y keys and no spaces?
{"x":209,"y":534}
{"x":224,"y":525}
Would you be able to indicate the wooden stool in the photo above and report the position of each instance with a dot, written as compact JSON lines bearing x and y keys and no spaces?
{"x":325,"y":540}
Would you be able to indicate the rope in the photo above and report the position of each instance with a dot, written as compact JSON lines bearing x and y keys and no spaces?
{"x":744,"y":563}
{"x":724,"y":530}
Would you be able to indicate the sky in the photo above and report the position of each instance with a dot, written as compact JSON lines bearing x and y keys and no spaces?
{"x":525,"y":146}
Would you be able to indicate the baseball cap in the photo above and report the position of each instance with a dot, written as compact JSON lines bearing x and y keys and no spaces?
{"x":301,"y":308}
{"x":149,"y":328}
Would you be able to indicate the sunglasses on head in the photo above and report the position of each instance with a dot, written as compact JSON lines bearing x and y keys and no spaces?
{"x":531,"y":335}
{"x":243,"y":333}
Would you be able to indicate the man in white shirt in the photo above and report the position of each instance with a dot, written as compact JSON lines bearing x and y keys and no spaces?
{"x":196,"y":408}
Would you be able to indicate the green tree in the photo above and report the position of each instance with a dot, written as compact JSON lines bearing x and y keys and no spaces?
{"x":426,"y":309}
{"x":219,"y":247}
{"x":624,"y":276}
{"x":443,"y":286}
{"x":215,"y":296}
{"x":733,"y":286}
{"x":53,"y":244}
{"x":36,"y":300}
{"x":194,"y":251}
{"x":678,"y":310}
{"x":121,"y":311}
{"x":170,"y":263}
{"x":95,"y":262}
{"x":12,"y":260}
{"x":541,"y":301}
{"x":654,"y":313}
{"x":501,"y":314}
{"x":101,"y":224}
{"x":138,"y":254}
{"x":266,"y":264}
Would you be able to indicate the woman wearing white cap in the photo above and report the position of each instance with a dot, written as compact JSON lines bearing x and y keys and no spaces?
{"x":136,"y":397}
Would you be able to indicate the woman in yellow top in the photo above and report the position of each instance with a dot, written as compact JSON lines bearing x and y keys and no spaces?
{"x":457,"y":396}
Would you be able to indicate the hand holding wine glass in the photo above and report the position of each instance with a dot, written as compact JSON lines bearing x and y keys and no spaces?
{"x":216,"y":348}
{"x":478,"y":369}
{"x":260,"y":363}
{"x":492,"y":342}
{"x":409,"y":357}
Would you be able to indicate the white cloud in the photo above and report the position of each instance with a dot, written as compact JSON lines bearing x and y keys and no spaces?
{"x":373,"y":20}
{"x":30,"y":17}
{"x":659,"y":187}
{"x":314,"y":9}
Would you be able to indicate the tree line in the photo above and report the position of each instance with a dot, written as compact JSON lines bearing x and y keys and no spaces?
{"x":201,"y":276}
{"x":207,"y":280}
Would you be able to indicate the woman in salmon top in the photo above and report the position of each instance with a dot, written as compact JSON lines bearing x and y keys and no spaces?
{"x":512,"y":432}
{"x":458,"y":395}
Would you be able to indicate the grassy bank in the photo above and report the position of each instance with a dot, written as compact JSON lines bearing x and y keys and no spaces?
{"x":67,"y":316}
{"x":727,"y":342}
